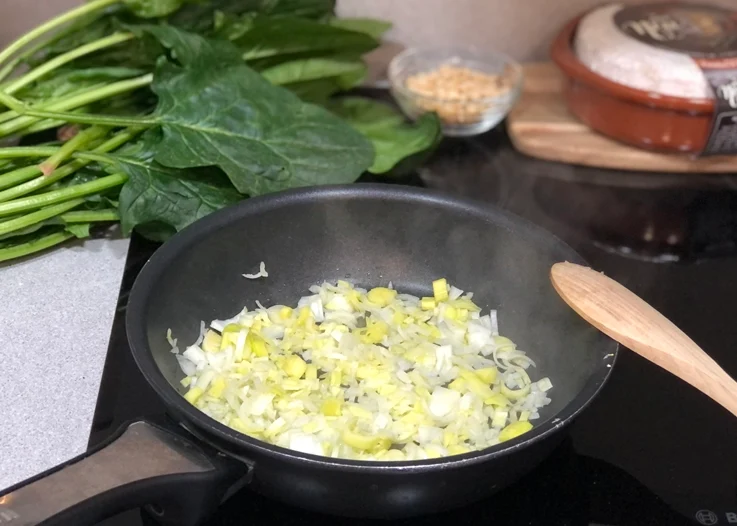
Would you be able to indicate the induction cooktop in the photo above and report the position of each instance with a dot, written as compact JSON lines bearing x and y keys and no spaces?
{"x":650,"y":450}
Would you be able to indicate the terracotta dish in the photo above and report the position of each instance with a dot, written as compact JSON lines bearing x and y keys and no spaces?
{"x":633,"y":116}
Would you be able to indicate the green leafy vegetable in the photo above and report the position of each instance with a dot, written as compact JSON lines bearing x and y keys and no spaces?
{"x":309,"y":9}
{"x":229,"y":27}
{"x":393,"y":138}
{"x":42,"y":239}
{"x":25,"y":231}
{"x":85,"y":30}
{"x":371,"y":27}
{"x":235,"y":95}
{"x":343,"y":71}
{"x":271,"y":37}
{"x":206,"y":16}
{"x":78,"y":222}
{"x":190,"y":49}
{"x":156,"y":195}
{"x":265,"y":138}
{"x":153,"y":8}
{"x":79,"y":230}
{"x":148,"y":200}
{"x":316,"y":91}
{"x":66,"y":82}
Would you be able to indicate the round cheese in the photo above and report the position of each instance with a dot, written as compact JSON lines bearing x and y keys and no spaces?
{"x":608,"y":51}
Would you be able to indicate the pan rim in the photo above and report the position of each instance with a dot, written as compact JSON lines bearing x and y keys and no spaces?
{"x":239,"y":444}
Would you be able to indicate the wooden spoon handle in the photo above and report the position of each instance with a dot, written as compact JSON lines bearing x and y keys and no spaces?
{"x":626,"y":318}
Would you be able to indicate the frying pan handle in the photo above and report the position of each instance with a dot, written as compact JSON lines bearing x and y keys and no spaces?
{"x":145,"y":464}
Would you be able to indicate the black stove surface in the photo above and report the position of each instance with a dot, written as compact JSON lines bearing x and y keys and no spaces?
{"x":650,"y":449}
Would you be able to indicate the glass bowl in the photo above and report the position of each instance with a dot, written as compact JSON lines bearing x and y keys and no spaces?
{"x":461,"y":112}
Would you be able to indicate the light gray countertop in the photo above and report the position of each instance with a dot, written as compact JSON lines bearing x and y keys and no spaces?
{"x":56,"y":312}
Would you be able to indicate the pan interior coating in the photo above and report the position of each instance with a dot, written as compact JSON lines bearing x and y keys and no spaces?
{"x":371,"y":236}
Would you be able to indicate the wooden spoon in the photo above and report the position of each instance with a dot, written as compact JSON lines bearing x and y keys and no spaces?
{"x":626,"y":318}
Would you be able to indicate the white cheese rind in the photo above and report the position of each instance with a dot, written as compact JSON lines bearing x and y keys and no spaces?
{"x":602,"y":47}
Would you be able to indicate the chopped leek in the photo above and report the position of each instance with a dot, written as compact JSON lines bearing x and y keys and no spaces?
{"x":365,"y":374}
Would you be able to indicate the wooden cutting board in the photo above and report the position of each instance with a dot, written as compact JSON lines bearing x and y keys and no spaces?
{"x":541,"y":126}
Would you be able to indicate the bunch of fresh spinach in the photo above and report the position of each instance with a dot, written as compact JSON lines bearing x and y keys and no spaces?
{"x":158,"y":112}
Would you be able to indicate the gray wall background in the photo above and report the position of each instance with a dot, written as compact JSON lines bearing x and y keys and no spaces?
{"x":521,"y":28}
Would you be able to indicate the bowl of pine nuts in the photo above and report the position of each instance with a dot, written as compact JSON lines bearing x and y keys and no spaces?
{"x":470,"y":91}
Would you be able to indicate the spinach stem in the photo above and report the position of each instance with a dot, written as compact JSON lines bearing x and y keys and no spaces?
{"x":18,"y":176}
{"x":81,"y":118}
{"x":82,"y":139}
{"x":12,"y":103}
{"x":25,"y":249}
{"x":64,"y":194}
{"x":99,"y":157}
{"x":35,"y":48}
{"x":42,"y":181}
{"x":32,"y":50}
{"x":75,"y":101}
{"x":22,"y":152}
{"x":59,"y":61}
{"x":42,"y":125}
{"x":10,"y":179}
{"x":38,"y":216}
{"x":90,"y":216}
{"x":85,"y":9}
{"x":12,"y":114}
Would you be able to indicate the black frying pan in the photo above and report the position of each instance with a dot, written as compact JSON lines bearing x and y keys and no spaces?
{"x":369,"y":235}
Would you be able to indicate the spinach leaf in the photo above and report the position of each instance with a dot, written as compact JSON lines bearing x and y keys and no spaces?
{"x":218,"y":112}
{"x":203,"y":17}
{"x":392,"y":136}
{"x":167,"y":200}
{"x":153,"y":8}
{"x":370,"y":26}
{"x":80,"y":230}
{"x":158,"y":201}
{"x":82,"y":31}
{"x":315,"y":91}
{"x":84,"y":175}
{"x":136,"y":53}
{"x":317,"y":9}
{"x":67,"y":81}
{"x":20,"y":238}
{"x":270,"y":37}
{"x":352,"y":79}
{"x":309,"y":69}
{"x":187,"y":48}
{"x":156,"y":231}
{"x":28,"y":230}
{"x":231,"y":27}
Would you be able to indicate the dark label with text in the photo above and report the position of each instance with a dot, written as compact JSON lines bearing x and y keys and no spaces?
{"x":709,"y":36}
